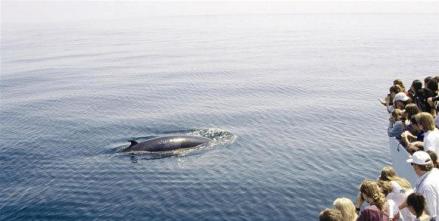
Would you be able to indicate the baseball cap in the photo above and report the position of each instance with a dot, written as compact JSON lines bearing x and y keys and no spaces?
{"x":420,"y":158}
{"x":401,"y":96}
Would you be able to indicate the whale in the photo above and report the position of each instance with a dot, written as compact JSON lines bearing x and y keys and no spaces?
{"x":167,"y":143}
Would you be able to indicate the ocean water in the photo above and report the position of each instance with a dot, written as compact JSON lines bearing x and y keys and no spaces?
{"x":290,"y":99}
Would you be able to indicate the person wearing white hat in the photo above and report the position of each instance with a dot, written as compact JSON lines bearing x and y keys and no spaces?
{"x":427,"y":183}
{"x":400,"y":100}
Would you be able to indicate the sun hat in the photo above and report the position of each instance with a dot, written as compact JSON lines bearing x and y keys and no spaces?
{"x":401,"y":96}
{"x":420,"y":158}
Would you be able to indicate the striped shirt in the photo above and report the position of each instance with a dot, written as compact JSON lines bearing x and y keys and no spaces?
{"x":428,"y":186}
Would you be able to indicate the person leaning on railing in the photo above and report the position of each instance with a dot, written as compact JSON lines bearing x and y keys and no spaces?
{"x":425,"y":123}
{"x":386,"y":189}
{"x":400,"y":189}
{"x":397,"y":87}
{"x":401,"y":100}
{"x":413,"y":132}
{"x":420,"y":95}
{"x":410,"y":111}
{"x":431,"y":86}
{"x":389,"y":174}
{"x":433,"y":102}
{"x":431,"y":133}
{"x":394,"y":89}
{"x":378,"y":208}
{"x":396,"y":124}
{"x":412,"y":139}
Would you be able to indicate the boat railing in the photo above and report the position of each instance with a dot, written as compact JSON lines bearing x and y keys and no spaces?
{"x":399,"y":157}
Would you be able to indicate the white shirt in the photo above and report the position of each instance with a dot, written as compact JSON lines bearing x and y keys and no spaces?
{"x":393,"y":208}
{"x":431,"y":140}
{"x":398,"y":195}
{"x":428,"y":186}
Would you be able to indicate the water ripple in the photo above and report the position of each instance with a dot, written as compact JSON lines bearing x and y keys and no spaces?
{"x":296,"y":105}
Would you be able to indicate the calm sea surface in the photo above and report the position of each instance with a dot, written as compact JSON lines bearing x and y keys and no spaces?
{"x":290,"y":99}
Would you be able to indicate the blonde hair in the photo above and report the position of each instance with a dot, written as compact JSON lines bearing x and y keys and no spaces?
{"x":330,"y":215}
{"x":397,"y":114}
{"x":389,"y":174}
{"x":371,"y":189}
{"x":399,"y":83}
{"x":426,"y":120}
{"x":347,"y":209}
{"x":385,"y":186}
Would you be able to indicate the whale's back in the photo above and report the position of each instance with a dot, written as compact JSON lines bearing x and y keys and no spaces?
{"x":168,"y":143}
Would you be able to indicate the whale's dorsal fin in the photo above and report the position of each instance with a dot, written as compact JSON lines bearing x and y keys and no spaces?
{"x":133,"y":142}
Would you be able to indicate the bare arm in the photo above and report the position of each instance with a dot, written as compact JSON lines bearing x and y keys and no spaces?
{"x":411,"y":146}
{"x":415,"y":146}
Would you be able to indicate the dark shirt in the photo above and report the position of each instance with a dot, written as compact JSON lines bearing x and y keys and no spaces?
{"x":419,"y":136}
{"x":420,"y":99}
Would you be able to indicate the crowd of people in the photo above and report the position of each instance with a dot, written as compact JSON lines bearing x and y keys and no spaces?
{"x":414,"y":122}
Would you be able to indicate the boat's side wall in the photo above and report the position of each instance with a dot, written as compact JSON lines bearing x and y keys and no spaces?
{"x":399,"y":161}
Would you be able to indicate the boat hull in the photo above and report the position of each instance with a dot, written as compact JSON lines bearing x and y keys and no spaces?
{"x":399,"y":161}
